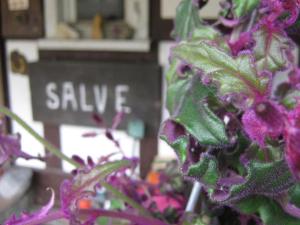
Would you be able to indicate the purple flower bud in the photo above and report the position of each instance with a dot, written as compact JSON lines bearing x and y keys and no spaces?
{"x":79,"y":160}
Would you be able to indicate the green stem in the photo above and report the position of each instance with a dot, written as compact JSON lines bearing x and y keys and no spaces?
{"x":51,"y":148}
{"x":125,"y":198}
{"x":60,"y":155}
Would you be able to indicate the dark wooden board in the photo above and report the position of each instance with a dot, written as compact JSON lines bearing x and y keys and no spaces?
{"x":101,"y":56}
{"x":143,"y":96}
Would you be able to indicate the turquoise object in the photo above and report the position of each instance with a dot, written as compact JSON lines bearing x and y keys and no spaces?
{"x":136,"y":129}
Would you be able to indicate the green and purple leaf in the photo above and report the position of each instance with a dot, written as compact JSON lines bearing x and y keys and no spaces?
{"x":186,"y":101}
{"x":269,"y":211}
{"x":271,"y":50}
{"x":264,"y":179}
{"x":187,"y":19}
{"x":232,"y":75}
{"x":243,"y":8}
{"x":206,"y":170}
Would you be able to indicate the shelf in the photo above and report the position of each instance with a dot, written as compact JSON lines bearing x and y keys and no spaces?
{"x":95,"y":45}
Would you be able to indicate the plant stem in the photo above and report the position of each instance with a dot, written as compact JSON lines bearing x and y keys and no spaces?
{"x":51,"y":148}
{"x":53,"y":216}
{"x":125,"y":198}
{"x":252,"y":20}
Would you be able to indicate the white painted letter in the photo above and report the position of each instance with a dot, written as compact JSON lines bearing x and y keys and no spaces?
{"x":121,"y":100}
{"x":52,"y":101}
{"x":68,"y":96}
{"x":100,"y":98}
{"x":83,"y":101}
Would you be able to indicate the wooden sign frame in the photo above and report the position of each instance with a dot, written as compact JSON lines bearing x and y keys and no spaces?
{"x":27,"y":23}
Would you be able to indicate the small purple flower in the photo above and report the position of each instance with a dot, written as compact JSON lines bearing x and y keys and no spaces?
{"x":264,"y":119}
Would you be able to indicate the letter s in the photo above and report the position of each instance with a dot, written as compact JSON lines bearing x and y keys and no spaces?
{"x":52,"y":101}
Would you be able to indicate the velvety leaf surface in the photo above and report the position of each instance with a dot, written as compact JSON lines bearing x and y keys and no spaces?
{"x":270,"y":50}
{"x":290,"y":100}
{"x":174,"y":135}
{"x":187,"y":19}
{"x":295,"y":195}
{"x":242,"y":7}
{"x":268,"y":179}
{"x":205,"y":170}
{"x":186,"y":103}
{"x":270,"y":211}
{"x":172,"y":73}
{"x":233,"y":75}
{"x":205,"y":33}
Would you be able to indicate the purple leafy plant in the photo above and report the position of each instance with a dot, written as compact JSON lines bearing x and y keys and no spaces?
{"x":234,"y":128}
{"x":87,"y":179}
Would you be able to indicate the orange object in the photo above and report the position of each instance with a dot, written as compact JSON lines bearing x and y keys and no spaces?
{"x":84,"y":204}
{"x":153,"y":178}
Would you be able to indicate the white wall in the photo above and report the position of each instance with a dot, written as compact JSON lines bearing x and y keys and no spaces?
{"x":209,"y":11}
{"x":20,"y":101}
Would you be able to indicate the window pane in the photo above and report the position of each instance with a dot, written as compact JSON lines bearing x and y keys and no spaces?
{"x":109,"y":9}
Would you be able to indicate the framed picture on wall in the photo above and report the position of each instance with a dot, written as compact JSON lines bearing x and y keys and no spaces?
{"x":97,"y":19}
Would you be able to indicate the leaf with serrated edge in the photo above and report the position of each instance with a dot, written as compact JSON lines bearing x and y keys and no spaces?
{"x":187,"y":107}
{"x":187,"y":19}
{"x":270,"y":211}
{"x":205,"y":170}
{"x":270,"y":49}
{"x":267,"y":179}
{"x":233,"y":75}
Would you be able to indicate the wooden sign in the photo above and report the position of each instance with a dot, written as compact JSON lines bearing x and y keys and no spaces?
{"x":22,"y":18}
{"x":71,"y":92}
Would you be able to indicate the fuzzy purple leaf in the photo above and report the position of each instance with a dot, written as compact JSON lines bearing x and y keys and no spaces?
{"x":32,"y":218}
{"x":264,"y":119}
{"x":292,"y":138}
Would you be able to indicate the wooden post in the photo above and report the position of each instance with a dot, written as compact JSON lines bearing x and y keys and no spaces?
{"x":52,"y":134}
{"x":148,"y":152}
